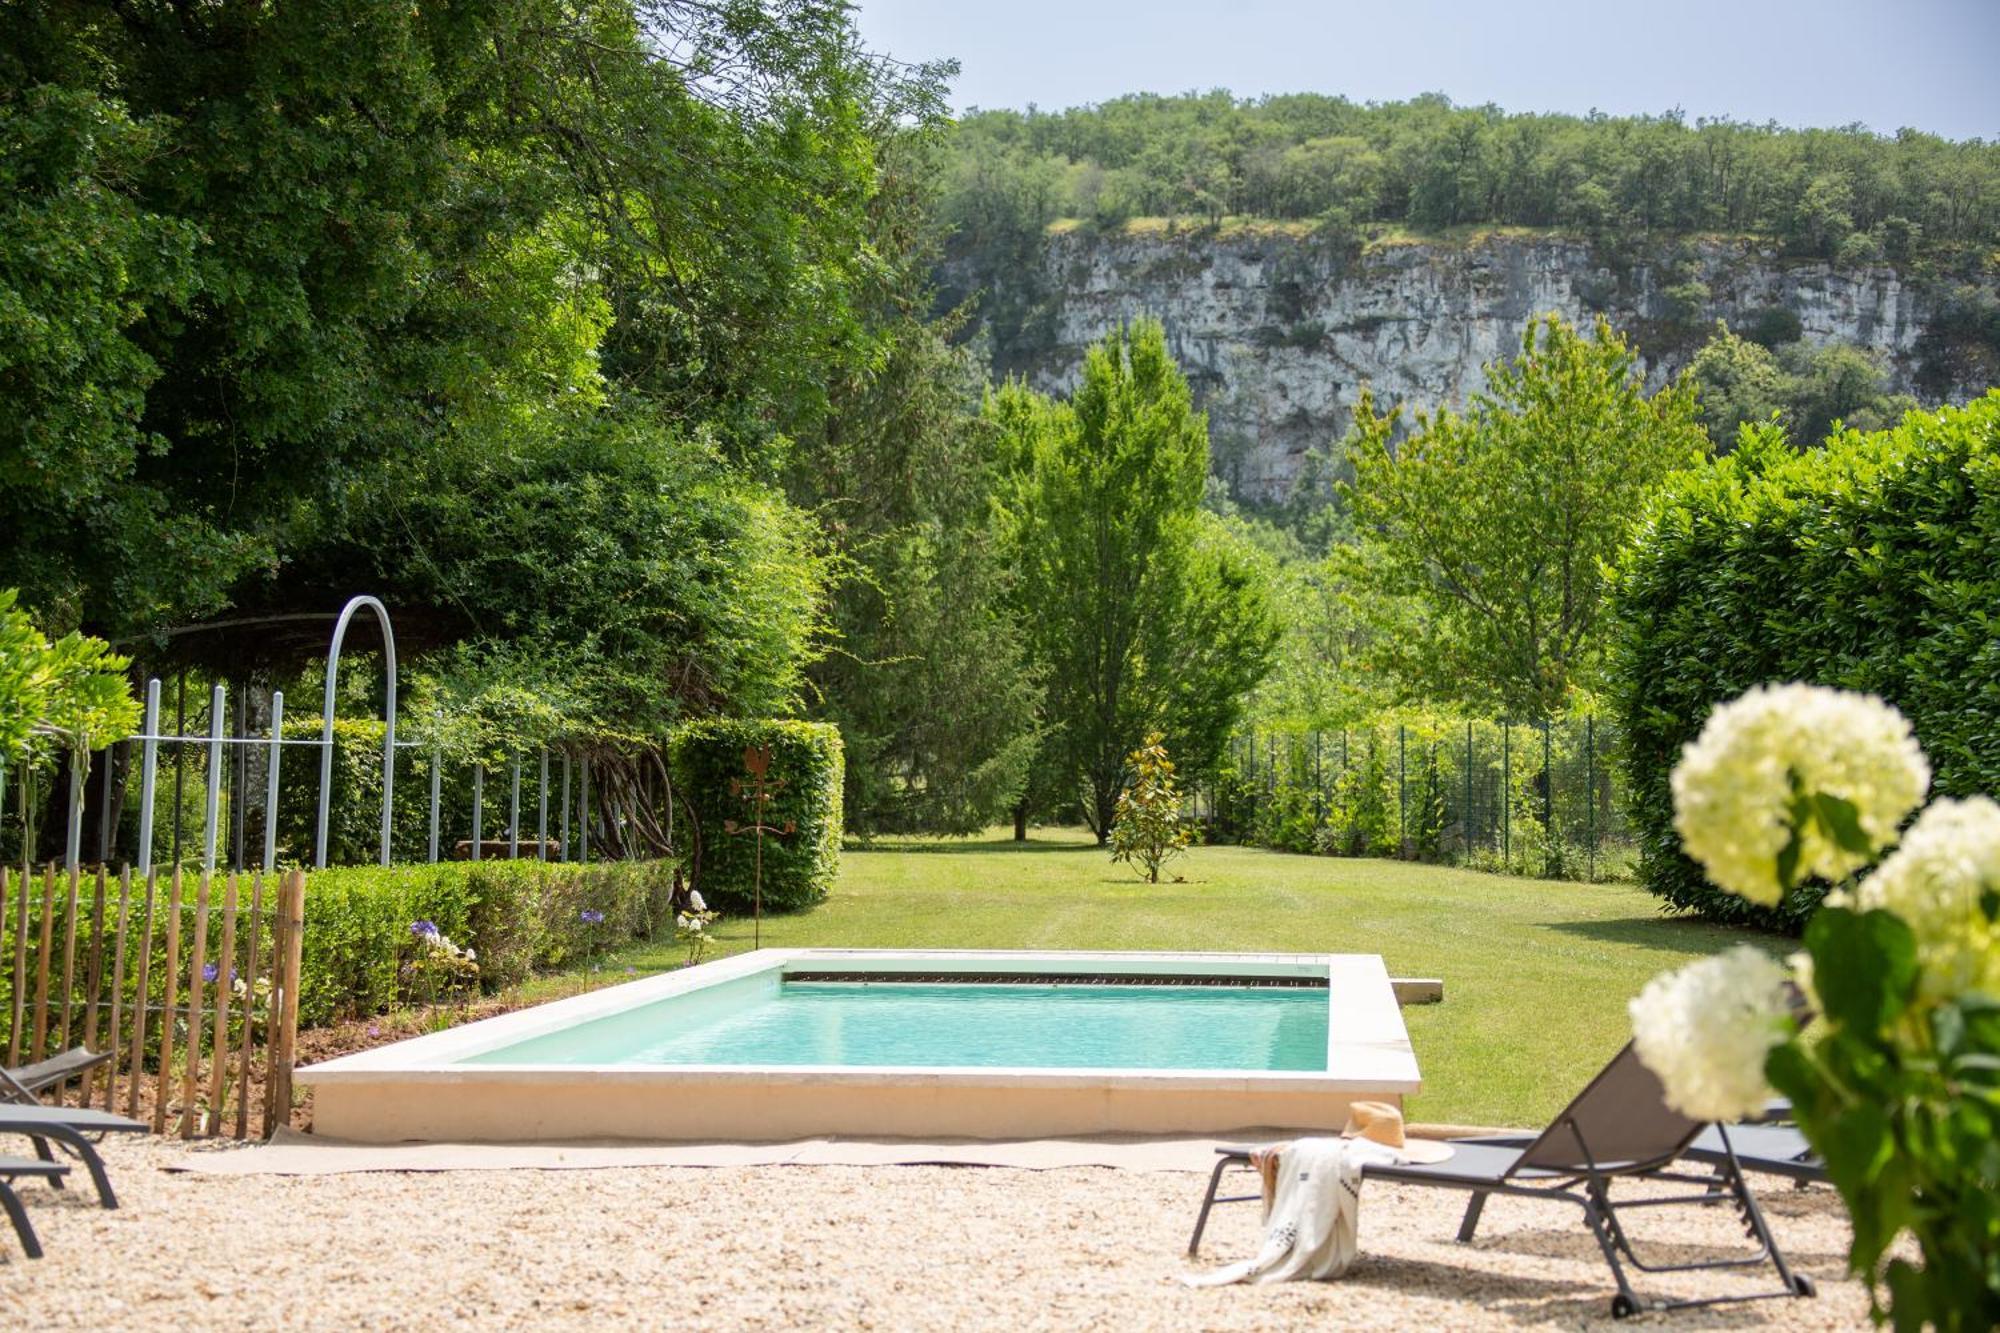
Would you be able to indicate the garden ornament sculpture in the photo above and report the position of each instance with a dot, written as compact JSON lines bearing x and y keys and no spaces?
{"x":757,"y":793}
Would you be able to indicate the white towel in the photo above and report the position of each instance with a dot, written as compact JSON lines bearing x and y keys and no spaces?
{"x":1314,"y":1214}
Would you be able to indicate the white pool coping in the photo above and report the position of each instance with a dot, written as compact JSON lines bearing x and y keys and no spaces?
{"x":419,"y":1089}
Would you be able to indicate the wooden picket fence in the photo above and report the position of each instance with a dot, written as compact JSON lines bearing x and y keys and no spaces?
{"x":190,"y":981}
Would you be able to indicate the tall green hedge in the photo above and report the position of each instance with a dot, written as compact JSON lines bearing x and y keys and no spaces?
{"x":1872,"y":563}
{"x":519,"y":917}
{"x":799,"y":867}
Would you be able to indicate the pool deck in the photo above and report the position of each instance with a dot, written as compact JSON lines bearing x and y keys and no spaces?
{"x":416,"y":1089}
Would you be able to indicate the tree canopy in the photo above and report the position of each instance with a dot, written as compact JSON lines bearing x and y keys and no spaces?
{"x":509,"y":313}
{"x":1838,"y":193}
{"x":1139,"y":607}
{"x":1493,"y":526}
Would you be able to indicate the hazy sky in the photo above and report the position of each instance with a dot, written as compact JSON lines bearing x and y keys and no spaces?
{"x":1933,"y":64}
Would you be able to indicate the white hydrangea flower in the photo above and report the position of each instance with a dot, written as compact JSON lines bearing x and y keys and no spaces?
{"x":695,"y":901}
{"x":1934,"y":882}
{"x":1706,"y":1029}
{"x":1734,"y":793}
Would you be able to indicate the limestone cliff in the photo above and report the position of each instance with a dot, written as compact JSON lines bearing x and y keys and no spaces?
{"x":1279,"y":331}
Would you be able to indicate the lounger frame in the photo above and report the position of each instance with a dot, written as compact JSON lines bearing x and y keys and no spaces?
{"x":1576,"y":1160}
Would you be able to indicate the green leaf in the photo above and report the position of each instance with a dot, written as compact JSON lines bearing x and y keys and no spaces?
{"x":1864,"y":966}
{"x":1788,"y":861}
{"x":1842,"y":823}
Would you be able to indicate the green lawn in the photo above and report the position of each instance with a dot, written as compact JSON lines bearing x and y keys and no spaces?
{"x":1536,"y":972}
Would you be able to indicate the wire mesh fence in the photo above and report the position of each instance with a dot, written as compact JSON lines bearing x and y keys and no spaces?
{"x":1541,"y":799}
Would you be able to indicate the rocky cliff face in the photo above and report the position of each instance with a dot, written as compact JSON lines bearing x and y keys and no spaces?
{"x":1278,"y":333}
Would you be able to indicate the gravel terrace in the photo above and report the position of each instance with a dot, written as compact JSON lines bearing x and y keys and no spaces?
{"x":848,"y":1247}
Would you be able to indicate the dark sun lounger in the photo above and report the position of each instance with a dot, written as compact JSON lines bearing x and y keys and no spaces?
{"x":1619,"y":1128}
{"x":26,"y":1083}
{"x":10,"y":1168}
{"x":72,"y":1129}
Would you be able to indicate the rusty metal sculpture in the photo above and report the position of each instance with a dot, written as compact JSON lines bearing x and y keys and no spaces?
{"x":757,"y":793}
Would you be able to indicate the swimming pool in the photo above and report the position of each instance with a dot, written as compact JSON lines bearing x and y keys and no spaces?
{"x":928,"y":1024}
{"x":787,"y":1043}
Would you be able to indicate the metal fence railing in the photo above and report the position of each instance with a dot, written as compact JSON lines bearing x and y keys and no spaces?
{"x":1541,"y":799}
{"x":214,"y":786}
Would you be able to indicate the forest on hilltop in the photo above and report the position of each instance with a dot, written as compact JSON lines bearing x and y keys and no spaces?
{"x":1844,"y":194}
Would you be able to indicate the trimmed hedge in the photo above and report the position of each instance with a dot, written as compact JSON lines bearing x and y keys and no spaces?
{"x":1871,"y":563}
{"x":520,"y":917}
{"x":799,"y":867}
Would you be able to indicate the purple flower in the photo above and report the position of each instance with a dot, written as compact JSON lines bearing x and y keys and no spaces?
{"x":209,"y":971}
{"x":374,"y":1031}
{"x":630,"y":970}
{"x":423,"y":928}
{"x":590,"y":916}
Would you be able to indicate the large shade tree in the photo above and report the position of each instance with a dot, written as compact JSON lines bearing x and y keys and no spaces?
{"x":1141,"y":610}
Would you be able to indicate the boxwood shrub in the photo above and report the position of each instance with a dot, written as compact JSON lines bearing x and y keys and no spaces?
{"x":520,"y":917}
{"x":799,"y":867}
{"x":1871,"y":563}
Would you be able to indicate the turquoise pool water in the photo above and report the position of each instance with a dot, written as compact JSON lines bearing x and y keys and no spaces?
{"x":924,"y":1024}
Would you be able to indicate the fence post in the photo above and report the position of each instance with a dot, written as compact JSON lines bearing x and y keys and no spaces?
{"x":291,"y":926}
{"x":170,"y":986}
{"x":514,"y":815}
{"x":114,"y":1041}
{"x":1506,"y":797}
{"x":1402,"y":788}
{"x":562,"y":851}
{"x":271,"y":781}
{"x":212,"y":814}
{"x":542,"y":816}
{"x":1319,"y":782}
{"x":239,"y":777}
{"x":107,"y":822}
{"x":437,"y":781}
{"x":478,"y":804}
{"x":180,"y":756}
{"x":1468,"y":789}
{"x":197,"y":981}
{"x":1548,"y":797}
{"x":1590,"y":786}
{"x":583,"y":811}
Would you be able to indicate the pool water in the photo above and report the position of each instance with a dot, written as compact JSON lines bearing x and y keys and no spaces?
{"x":948,"y":1025}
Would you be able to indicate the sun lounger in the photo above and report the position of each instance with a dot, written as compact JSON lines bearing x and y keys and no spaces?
{"x":1761,"y":1147}
{"x":71,"y":1128}
{"x":12,"y":1168}
{"x":1618,"y":1129}
{"x":26,"y":1084}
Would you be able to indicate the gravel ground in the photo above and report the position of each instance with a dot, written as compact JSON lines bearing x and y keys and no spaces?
{"x":848,"y":1247}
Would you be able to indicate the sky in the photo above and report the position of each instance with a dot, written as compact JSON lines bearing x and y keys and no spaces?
{"x":1931,"y":64}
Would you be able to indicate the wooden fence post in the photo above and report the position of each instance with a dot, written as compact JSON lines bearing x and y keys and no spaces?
{"x":163,"y":1082}
{"x":20,"y":1013}
{"x":286,"y":957}
{"x":112,"y":1041}
{"x":197,"y":984}
{"x":250,"y":1008}
{"x":35,"y":1051}
{"x":69,"y":965}
{"x":225,"y":979}
{"x":93,"y":982}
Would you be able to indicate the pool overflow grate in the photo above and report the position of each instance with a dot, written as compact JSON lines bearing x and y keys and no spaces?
{"x":1055,"y":979}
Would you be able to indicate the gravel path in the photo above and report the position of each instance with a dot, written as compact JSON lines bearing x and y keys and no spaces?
{"x":846,"y":1247}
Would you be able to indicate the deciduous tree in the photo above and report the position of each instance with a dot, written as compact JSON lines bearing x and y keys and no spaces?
{"x":1140,"y":608}
{"x":1496,"y":523}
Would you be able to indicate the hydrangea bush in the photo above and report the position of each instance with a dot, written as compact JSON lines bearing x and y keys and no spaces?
{"x":1894,"y":1076}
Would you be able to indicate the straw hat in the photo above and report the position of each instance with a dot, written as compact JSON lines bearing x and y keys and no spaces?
{"x":1381,"y":1123}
